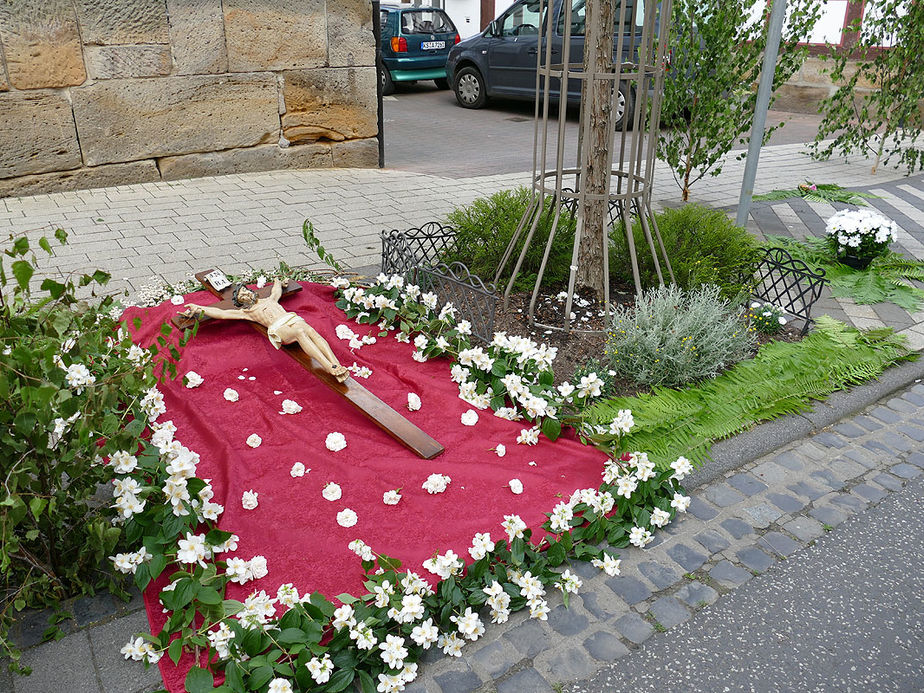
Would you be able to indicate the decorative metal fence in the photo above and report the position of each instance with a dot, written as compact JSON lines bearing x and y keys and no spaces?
{"x":788,"y":283}
{"x":417,"y":255}
{"x":404,"y":251}
{"x":473,"y":300}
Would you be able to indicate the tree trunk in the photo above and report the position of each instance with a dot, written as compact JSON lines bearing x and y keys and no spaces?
{"x":597,"y":103}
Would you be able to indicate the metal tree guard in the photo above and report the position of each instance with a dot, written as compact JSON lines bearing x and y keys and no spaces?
{"x":640,"y":72}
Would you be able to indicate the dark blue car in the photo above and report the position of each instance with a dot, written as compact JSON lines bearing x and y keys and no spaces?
{"x":415,"y":45}
{"x":501,"y":61}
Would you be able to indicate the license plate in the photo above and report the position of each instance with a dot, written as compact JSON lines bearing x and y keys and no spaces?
{"x":432,"y":45}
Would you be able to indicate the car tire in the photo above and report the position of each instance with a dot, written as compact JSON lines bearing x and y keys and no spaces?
{"x":627,"y":101}
{"x":470,"y":88}
{"x":388,"y":86}
{"x":442,"y":83}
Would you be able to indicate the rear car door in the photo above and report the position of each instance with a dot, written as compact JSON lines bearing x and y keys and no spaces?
{"x":512,"y":50}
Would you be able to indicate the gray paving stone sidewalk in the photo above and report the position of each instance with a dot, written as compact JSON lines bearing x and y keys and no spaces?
{"x":739,"y":527}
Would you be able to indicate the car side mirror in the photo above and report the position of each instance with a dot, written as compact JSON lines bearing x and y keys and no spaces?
{"x":493,"y":29}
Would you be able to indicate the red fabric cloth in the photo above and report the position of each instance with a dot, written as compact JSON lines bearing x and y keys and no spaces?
{"x":294,"y":526}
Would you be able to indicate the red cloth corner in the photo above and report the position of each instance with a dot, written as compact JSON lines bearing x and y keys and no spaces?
{"x":294,"y":527}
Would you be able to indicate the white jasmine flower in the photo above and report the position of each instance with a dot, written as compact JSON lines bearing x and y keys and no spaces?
{"x":561,"y":517}
{"x":481,"y":546}
{"x":500,"y":450}
{"x":298,"y":469}
{"x":514,"y":527}
{"x":569,"y":582}
{"x":590,"y":386}
{"x":253,"y":440}
{"x":391,"y":497}
{"x":335,"y":442}
{"x":429,"y":299}
{"x":659,"y":517}
{"x":346,"y":518}
{"x":361,"y":549}
{"x":419,"y":356}
{"x":261,"y":281}
{"x":469,"y":624}
{"x":278,"y":685}
{"x":290,"y":407}
{"x":320,"y":669}
{"x":640,"y":537}
{"x":220,"y":640}
{"x":565,"y":390}
{"x":451,"y":644}
{"x":249,"y":500}
{"x":332,"y":491}
{"x":539,"y":609}
{"x":623,"y":422}
{"x":340,"y":282}
{"x":464,"y":328}
{"x":193,"y":379}
{"x":78,"y":377}
{"x":393,"y":651}
{"x":360,"y":371}
{"x":516,"y":486}
{"x":681,"y":467}
{"x":420,"y":342}
{"x":626,"y":485}
{"x":444,"y":566}
{"x":123,"y":462}
{"x":436,"y":483}
{"x":413,"y":401}
{"x":470,"y":418}
{"x":528,"y":436}
{"x":193,"y":549}
{"x":459,"y":374}
{"x":177,"y":299}
{"x":680,"y":502}
{"x":364,"y":636}
{"x":412,"y":608}
{"x":425,"y":634}
{"x":608,"y":565}
{"x":230,"y":395}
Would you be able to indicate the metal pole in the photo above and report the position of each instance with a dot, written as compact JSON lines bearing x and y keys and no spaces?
{"x":775,"y":30}
{"x":380,"y":113}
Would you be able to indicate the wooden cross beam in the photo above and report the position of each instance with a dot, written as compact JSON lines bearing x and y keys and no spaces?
{"x":367,"y":403}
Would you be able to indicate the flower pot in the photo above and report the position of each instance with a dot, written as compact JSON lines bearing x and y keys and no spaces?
{"x":857,"y":263}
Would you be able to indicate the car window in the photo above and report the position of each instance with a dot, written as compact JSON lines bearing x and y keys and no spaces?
{"x":426,"y":22}
{"x":383,"y":18}
{"x":522,"y":20}
{"x":635,"y":13}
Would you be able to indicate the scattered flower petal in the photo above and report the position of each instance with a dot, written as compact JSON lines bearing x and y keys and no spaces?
{"x":249,"y":500}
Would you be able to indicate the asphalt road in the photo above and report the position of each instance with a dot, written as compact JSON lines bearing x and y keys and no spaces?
{"x":846,"y":614}
{"x":426,"y":131}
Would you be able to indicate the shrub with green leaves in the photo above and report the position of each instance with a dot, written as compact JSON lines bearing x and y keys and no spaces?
{"x":484,"y":230}
{"x":671,"y":337}
{"x":71,"y":390}
{"x":703,"y":245}
{"x":766,"y":318}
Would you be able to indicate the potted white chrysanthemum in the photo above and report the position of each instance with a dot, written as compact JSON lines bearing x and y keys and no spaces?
{"x":858,"y":236}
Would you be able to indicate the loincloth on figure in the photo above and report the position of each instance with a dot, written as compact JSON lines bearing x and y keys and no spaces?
{"x":273,"y":330}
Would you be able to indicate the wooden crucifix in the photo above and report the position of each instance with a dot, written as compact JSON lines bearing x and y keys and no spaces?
{"x":290,"y":333}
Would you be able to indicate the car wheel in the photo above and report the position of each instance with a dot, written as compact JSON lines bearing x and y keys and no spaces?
{"x":388,"y":86}
{"x":442,"y":83}
{"x":469,"y":88}
{"x":625,"y":107}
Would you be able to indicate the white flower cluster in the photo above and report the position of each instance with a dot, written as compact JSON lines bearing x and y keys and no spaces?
{"x":444,"y":566}
{"x":532,"y":589}
{"x":850,"y":227}
{"x":241,"y":572}
{"x":78,"y":377}
{"x":153,"y":404}
{"x":359,"y":371}
{"x":436,"y":483}
{"x":128,"y":562}
{"x":355,"y":341}
{"x":140,"y":650}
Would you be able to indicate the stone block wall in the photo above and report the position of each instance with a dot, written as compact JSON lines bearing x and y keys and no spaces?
{"x":108,"y":92}
{"x":806,"y":89}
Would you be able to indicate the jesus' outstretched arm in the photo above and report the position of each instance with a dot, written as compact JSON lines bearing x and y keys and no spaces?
{"x":194,"y":309}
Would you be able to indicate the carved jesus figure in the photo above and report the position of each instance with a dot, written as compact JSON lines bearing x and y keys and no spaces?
{"x":282,"y":326}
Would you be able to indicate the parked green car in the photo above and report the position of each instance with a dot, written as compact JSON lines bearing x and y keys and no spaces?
{"x":415,"y":44}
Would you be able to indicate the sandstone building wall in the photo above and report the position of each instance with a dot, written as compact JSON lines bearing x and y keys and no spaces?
{"x":108,"y":92}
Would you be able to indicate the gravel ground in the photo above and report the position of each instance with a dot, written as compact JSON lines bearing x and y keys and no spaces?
{"x":846,"y":614}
